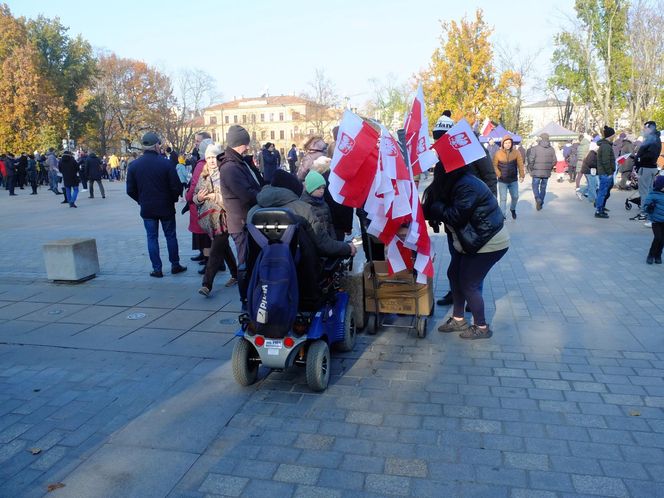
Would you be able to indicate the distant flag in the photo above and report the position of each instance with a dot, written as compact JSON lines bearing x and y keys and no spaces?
{"x":418,"y":143}
{"x":487,"y":127}
{"x":458,"y":147}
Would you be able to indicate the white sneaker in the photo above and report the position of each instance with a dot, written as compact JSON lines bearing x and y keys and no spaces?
{"x":84,"y":190}
{"x":579,"y":194}
{"x":648,"y":224}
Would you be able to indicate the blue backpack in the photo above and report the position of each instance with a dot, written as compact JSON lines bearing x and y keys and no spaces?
{"x":272,"y":296}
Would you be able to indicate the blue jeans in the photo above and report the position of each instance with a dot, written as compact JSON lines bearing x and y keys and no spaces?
{"x":539,"y":188}
{"x":53,"y":180}
{"x":71,"y":193}
{"x":152,"y":230}
{"x":513,"y":189}
{"x":605,"y":185}
{"x":591,"y":188}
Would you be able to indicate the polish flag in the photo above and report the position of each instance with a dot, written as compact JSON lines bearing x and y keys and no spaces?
{"x":621,"y":160}
{"x":458,"y":147}
{"x":487,"y":127}
{"x":418,"y":143}
{"x":354,"y":161}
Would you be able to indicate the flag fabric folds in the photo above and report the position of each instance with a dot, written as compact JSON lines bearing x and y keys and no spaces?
{"x":418,"y":143}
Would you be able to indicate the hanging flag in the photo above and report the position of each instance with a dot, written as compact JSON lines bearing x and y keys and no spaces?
{"x":418,"y":143}
{"x":354,"y":162}
{"x":487,"y":127}
{"x":458,"y":147}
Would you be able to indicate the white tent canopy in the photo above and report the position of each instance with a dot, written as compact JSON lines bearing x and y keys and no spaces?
{"x":556,"y":132}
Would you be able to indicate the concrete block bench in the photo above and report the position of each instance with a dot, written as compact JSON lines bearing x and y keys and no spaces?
{"x":71,"y":260}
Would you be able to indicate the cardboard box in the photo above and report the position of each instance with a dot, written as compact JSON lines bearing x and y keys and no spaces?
{"x":398,"y":293}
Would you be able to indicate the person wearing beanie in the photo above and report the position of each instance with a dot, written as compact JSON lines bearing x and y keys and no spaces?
{"x":153,"y":183}
{"x":654,"y":206}
{"x":284,"y":179}
{"x":239,"y":185}
{"x":606,"y":163}
{"x":314,"y":195}
{"x":646,"y":161}
{"x":314,"y":183}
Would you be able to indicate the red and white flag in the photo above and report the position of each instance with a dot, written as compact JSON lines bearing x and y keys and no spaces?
{"x":418,"y":143}
{"x":487,"y":127}
{"x":354,"y":161}
{"x":458,"y":147}
{"x":621,"y":159}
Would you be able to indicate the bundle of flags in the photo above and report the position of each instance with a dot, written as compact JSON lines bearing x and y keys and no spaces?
{"x":369,"y":171}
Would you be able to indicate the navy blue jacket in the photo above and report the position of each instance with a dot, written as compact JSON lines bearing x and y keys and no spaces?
{"x":270,"y":164}
{"x":238,"y":188}
{"x":649,"y":151}
{"x":292,"y":155}
{"x":93,"y":167}
{"x":154,"y":184}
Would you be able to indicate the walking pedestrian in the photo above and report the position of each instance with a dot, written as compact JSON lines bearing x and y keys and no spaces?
{"x":541,"y":161}
{"x":508,"y":164}
{"x":153,"y":183}
{"x":94,"y":172}
{"x":646,"y":161}
{"x":10,"y":172}
{"x":606,"y":164}
{"x":292,"y":159}
{"x":654,"y":206}
{"x":53,"y":171}
{"x":32,"y":174}
{"x":70,"y":179}
{"x":200,"y":241}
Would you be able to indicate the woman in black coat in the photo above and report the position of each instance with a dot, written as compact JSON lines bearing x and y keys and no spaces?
{"x":479,"y":239}
{"x":70,"y":178}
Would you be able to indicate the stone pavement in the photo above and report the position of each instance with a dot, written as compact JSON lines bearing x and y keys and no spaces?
{"x":122,"y":385}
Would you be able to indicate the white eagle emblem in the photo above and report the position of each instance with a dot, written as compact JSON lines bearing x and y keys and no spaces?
{"x":346,"y":144}
{"x":459,"y":140}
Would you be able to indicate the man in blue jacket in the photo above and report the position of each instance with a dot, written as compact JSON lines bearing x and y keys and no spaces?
{"x":154,"y":184}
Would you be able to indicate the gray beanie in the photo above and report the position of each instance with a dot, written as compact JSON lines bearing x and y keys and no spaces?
{"x":202,"y":147}
{"x":237,"y":136}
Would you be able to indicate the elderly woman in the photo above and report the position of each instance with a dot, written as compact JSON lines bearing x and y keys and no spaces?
{"x":212,"y":218}
{"x":472,"y":217}
{"x":314,"y":148}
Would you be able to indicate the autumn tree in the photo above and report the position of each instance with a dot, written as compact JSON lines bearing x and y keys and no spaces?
{"x":591,"y":60}
{"x":461,"y":75}
{"x":127,"y":98}
{"x":33,"y":112}
{"x":389,"y":102}
{"x":516,"y":66}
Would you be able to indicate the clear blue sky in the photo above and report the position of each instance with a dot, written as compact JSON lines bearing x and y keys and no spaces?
{"x":253,"y":44}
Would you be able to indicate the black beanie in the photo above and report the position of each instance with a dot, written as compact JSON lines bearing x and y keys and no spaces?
{"x":237,"y":136}
{"x":609,"y":132}
{"x":284,"y":179}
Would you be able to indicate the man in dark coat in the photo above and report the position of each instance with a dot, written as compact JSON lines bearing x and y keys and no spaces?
{"x":292,"y":159}
{"x":270,"y":161}
{"x":70,"y":178}
{"x":22,"y":170}
{"x":93,"y":170}
{"x":153,"y":183}
{"x":646,"y":161}
{"x":240,"y":184}
{"x":10,"y":169}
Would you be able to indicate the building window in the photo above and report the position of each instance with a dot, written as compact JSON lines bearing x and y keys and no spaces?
{"x":244,"y":119}
{"x":262,"y":118}
{"x":272,"y":135}
{"x":282,"y":135}
{"x":214,"y":136}
{"x":311,"y":131}
{"x":253,"y":118}
{"x":213,"y":120}
{"x":263,"y":135}
{"x":281,"y":116}
{"x":235,"y":118}
{"x":226,"y":119}
{"x":271,"y":116}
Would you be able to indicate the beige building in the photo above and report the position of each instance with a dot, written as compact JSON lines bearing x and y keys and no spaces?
{"x":282,"y":120}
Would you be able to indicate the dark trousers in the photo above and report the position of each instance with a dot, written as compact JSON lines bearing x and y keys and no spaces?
{"x":11,"y":184}
{"x":33,"y":185}
{"x":219,"y":252}
{"x":152,"y":230}
{"x":92,"y":188}
{"x":466,"y":274}
{"x":84,"y":178}
{"x":658,"y":239}
{"x":240,"y":239}
{"x":292,"y":167}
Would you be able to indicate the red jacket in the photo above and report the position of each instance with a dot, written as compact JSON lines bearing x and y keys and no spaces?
{"x":194,"y":227}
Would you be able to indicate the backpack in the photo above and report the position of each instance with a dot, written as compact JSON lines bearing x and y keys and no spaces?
{"x":272,"y":295}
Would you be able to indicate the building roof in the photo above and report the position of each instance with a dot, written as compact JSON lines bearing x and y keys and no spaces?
{"x":276,"y":100}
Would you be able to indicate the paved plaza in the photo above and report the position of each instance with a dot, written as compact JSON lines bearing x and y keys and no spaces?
{"x":121,"y":386}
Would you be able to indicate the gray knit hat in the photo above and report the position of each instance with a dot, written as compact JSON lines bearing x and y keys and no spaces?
{"x":237,"y":136}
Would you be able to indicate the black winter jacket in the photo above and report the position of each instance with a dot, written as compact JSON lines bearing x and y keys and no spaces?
{"x":649,"y":151}
{"x":154,"y":184}
{"x":473,"y":213}
{"x":93,"y":167}
{"x":483,"y":169}
{"x":69,"y":170}
{"x":238,"y":188}
{"x":589,"y":162}
{"x":279,"y":197}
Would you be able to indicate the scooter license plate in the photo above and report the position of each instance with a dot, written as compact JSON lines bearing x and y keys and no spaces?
{"x":273,"y":344}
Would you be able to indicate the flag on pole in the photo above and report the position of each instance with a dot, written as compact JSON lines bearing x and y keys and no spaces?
{"x":487,"y":127}
{"x":354,"y":162}
{"x":458,"y":147}
{"x":418,"y":143}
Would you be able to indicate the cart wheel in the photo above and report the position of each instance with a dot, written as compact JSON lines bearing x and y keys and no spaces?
{"x":318,"y":366}
{"x":628,"y":206}
{"x":245,"y":362}
{"x":422,"y":327}
{"x":350,"y":331}
{"x":370,"y":324}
